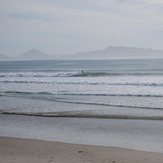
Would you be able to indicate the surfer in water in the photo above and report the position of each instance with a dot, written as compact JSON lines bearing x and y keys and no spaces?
{"x":83,"y":73}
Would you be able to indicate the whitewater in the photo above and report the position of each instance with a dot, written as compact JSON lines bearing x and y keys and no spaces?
{"x":114,"y":89}
{"x":112,"y":102}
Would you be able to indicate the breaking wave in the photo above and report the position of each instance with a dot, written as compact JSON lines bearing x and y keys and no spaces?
{"x":152,"y":84}
{"x":39,"y":74}
{"x":17,"y":93}
{"x":83,"y":115}
{"x":72,"y":74}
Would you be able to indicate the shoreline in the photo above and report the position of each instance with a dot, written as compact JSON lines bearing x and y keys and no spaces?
{"x":18,"y":150}
{"x":141,"y":135}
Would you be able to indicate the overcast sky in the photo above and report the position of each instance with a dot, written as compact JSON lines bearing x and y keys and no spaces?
{"x":69,"y":26}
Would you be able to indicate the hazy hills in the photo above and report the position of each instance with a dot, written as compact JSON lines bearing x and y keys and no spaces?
{"x":4,"y":57}
{"x":120,"y":53}
{"x":34,"y":54}
{"x":107,"y":53}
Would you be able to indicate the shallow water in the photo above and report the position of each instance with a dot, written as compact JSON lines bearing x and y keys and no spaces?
{"x":132,"y":134}
{"x":79,"y":106}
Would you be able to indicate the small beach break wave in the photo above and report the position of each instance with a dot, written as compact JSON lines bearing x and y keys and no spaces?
{"x":73,"y":74}
{"x":74,"y":114}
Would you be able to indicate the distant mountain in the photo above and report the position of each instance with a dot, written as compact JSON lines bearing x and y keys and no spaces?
{"x":34,"y":54}
{"x":107,"y":53}
{"x":4,"y":57}
{"x":119,"y":53}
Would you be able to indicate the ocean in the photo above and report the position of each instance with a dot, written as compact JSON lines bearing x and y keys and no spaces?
{"x":99,"y":92}
{"x":110,"y":88}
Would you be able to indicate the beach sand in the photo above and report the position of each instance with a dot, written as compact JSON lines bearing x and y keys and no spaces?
{"x":15,"y":150}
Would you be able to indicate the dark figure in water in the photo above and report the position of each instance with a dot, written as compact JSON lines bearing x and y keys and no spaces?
{"x":82,"y":71}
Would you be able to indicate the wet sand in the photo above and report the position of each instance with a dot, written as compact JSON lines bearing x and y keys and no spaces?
{"x":15,"y":150}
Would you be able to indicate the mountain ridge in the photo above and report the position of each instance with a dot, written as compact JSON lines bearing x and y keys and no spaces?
{"x":33,"y":54}
{"x":121,"y":52}
{"x":4,"y":57}
{"x":109,"y":52}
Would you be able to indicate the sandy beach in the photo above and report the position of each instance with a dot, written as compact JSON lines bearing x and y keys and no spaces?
{"x":15,"y":150}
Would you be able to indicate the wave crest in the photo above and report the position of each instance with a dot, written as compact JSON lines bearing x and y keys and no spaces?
{"x":6,"y":93}
{"x":85,"y":115}
{"x":72,"y":74}
{"x":152,"y":84}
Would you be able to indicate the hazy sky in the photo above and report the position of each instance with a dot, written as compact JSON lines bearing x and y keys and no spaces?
{"x":69,"y":26}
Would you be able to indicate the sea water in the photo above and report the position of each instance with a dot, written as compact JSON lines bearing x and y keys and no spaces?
{"x":127,"y":93}
{"x":110,"y":88}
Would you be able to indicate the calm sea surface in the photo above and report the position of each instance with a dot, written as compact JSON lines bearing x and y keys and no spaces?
{"x":110,"y":88}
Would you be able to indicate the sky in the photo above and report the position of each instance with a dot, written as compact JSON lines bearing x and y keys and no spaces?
{"x":70,"y":26}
